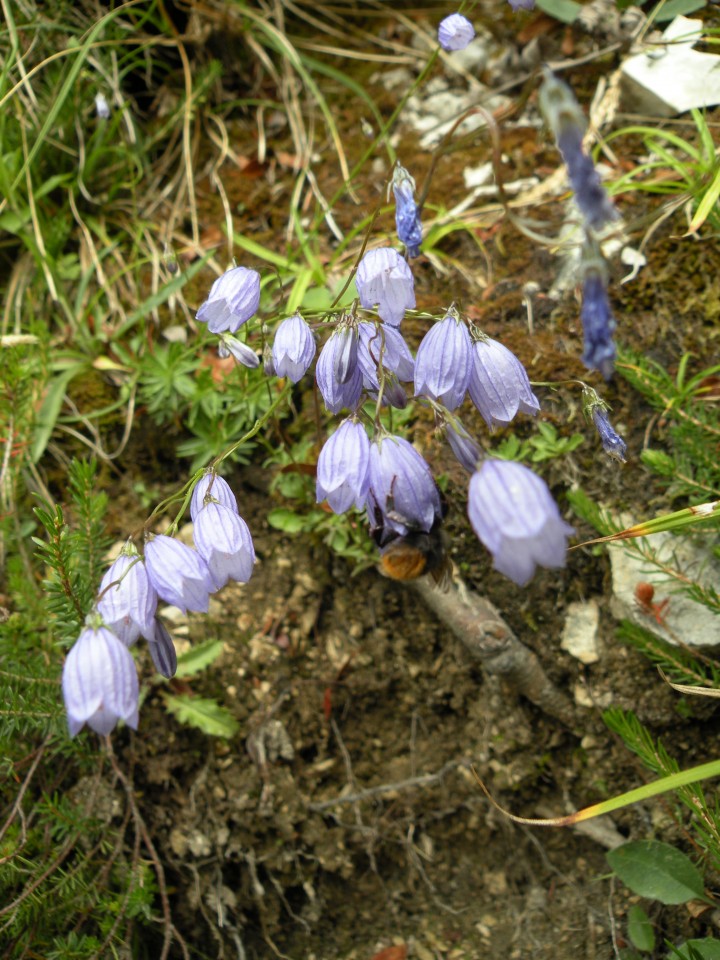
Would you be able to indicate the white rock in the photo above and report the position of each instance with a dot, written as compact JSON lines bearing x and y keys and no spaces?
{"x":580,"y":634}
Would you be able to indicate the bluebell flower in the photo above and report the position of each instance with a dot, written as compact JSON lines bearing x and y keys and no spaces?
{"x":379,"y":344}
{"x":597,"y":320}
{"x":514,"y":515}
{"x":128,"y":607}
{"x":499,"y":386}
{"x":293,"y":348}
{"x":567,"y":122}
{"x":179,"y":575}
{"x":99,"y":682}
{"x":342,"y":467}
{"x":224,"y":542}
{"x":612,"y":443}
{"x":345,"y":352}
{"x":443,"y":362}
{"x":384,"y":279}
{"x":162,"y":650}
{"x":336,"y":356}
{"x":230,"y":346}
{"x":211,"y":488}
{"x":233,"y":299}
{"x":407,"y":215}
{"x":402,"y":494}
{"x":455,"y":32}
{"x":466,"y":450}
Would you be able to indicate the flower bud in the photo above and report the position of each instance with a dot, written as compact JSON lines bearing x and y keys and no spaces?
{"x":162,"y":650}
{"x":466,"y":450}
{"x":612,"y":443}
{"x":407,"y":216}
{"x":597,"y":320}
{"x":245,"y":355}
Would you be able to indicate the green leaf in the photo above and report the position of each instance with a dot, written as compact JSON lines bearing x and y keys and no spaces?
{"x":640,"y":929}
{"x":286,"y":520}
{"x":657,"y":870}
{"x":199,"y":657}
{"x":205,"y":715}
{"x":658,"y":461}
{"x":563,"y":10}
{"x":706,"y":949}
{"x":675,"y":8}
{"x":50,"y":409}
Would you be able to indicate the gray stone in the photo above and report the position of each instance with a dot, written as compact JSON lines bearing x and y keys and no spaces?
{"x":580,"y":634}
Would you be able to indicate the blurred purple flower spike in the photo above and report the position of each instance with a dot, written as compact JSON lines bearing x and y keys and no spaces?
{"x":293,"y":348}
{"x":385,"y":279}
{"x":128,"y":608}
{"x":224,"y":542}
{"x":99,"y":682}
{"x":499,"y":386}
{"x":407,"y":215}
{"x":179,"y":574}
{"x":597,"y":320}
{"x":342,"y":467}
{"x":514,"y":515}
{"x":444,"y":360}
{"x":233,"y":299}
{"x":522,"y":5}
{"x":455,"y":32}
{"x":401,"y":487}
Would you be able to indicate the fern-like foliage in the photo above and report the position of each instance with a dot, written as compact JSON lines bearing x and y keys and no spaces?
{"x":679,"y":664}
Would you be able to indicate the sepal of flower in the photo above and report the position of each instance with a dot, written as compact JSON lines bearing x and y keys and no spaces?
{"x":514,"y":515}
{"x":455,"y":32}
{"x":127,"y":599}
{"x":179,"y":574}
{"x":379,"y":344}
{"x":384,"y":279}
{"x":99,"y":682}
{"x":224,"y":542}
{"x":407,"y":215}
{"x":443,"y":362}
{"x":343,"y":467}
{"x":293,"y":348}
{"x":402,"y":493}
{"x":234,"y":298}
{"x":466,"y":450}
{"x":211,"y":488}
{"x":499,"y":386}
{"x":162,"y":650}
{"x":230,"y":346}
{"x":597,"y":319}
{"x":335,"y":394}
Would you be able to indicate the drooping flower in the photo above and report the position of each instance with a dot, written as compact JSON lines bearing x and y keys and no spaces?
{"x":180,"y":575}
{"x":597,"y":320}
{"x":293,"y":348}
{"x":455,"y":32}
{"x":407,"y":215}
{"x":99,"y":682}
{"x":345,"y":351}
{"x":211,"y":488}
{"x":402,"y":494}
{"x":230,"y":346}
{"x":128,"y":607}
{"x":334,"y":357}
{"x":567,"y":122}
{"x":612,"y":443}
{"x":466,"y":450}
{"x":443,"y":362}
{"x":233,"y":299}
{"x":379,"y":344}
{"x":383,"y":278}
{"x":224,"y":542}
{"x":342,"y":467}
{"x":162,"y":650}
{"x":514,"y":515}
{"x":499,"y":386}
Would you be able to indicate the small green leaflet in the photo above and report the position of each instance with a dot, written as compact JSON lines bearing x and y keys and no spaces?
{"x":199,"y":657}
{"x":563,"y":10}
{"x":657,"y":870}
{"x":205,"y":715}
{"x":640,"y":929}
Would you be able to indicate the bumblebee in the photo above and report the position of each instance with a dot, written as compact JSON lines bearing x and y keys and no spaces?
{"x":409,"y":556}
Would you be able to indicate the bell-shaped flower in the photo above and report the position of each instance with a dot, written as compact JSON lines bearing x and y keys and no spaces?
{"x":382,"y":345}
{"x":224,"y":542}
{"x":443,"y":362}
{"x":211,"y":488}
{"x":335,"y":359}
{"x":232,"y":347}
{"x":99,"y":682}
{"x":612,"y":443}
{"x":597,"y":319}
{"x":455,"y":32}
{"x":522,"y":5}
{"x":402,"y":494}
{"x":499,"y":386}
{"x":407,"y":215}
{"x":385,"y":279}
{"x":162,"y":650}
{"x":127,"y":599}
{"x":179,"y":575}
{"x":293,"y":348}
{"x":342,"y":467}
{"x":466,"y":450}
{"x":234,"y":298}
{"x":514,"y":515}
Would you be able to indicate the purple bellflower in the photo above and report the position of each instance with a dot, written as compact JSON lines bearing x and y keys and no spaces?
{"x":466,"y":450}
{"x":444,"y":361}
{"x":567,"y":122}
{"x":345,"y":352}
{"x":379,"y":344}
{"x":342,"y":467}
{"x":233,"y":299}
{"x":211,"y":488}
{"x":407,"y":215}
{"x":179,"y":574}
{"x":499,"y":386}
{"x":127,"y":608}
{"x":336,"y":357}
{"x":293,"y":348}
{"x":597,"y":320}
{"x":99,"y":682}
{"x":455,"y":32}
{"x":230,"y":346}
{"x":162,"y":650}
{"x":514,"y":515}
{"x":522,"y":5}
{"x":612,"y":443}
{"x":385,"y":279}
{"x":402,"y":495}
{"x":224,"y":542}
